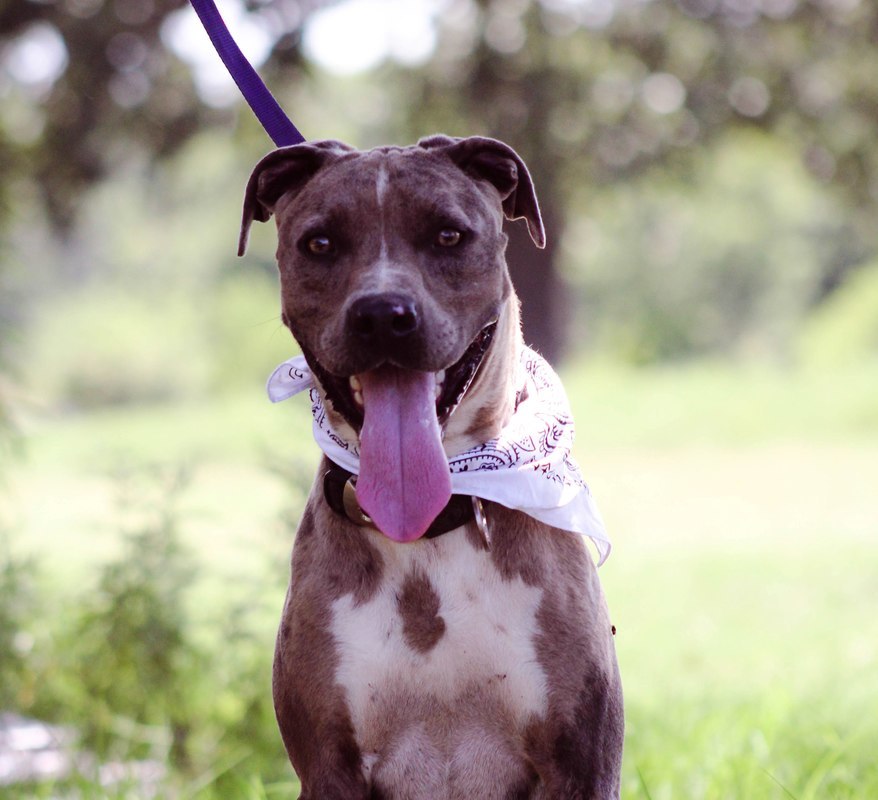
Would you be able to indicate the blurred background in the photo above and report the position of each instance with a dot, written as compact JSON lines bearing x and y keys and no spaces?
{"x":708,"y":173}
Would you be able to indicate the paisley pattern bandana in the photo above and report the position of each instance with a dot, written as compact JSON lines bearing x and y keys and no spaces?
{"x":528,"y":467}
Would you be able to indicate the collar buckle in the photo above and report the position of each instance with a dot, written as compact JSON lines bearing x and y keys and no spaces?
{"x":352,"y":508}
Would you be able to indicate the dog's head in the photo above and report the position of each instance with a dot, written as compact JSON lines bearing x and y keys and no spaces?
{"x":394,"y":255}
{"x":392,"y":266}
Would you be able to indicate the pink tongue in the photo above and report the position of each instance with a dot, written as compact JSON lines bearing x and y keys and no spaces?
{"x":404,"y":480}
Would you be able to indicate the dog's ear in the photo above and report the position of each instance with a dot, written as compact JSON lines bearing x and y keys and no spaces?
{"x":497,"y":163}
{"x":282,"y":171}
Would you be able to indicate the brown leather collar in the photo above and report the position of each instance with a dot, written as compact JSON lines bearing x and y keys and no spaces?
{"x":338,"y":489}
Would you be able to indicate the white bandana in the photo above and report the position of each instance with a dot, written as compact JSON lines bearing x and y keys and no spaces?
{"x":528,"y":467}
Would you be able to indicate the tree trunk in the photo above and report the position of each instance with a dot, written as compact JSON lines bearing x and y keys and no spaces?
{"x":540,"y":287}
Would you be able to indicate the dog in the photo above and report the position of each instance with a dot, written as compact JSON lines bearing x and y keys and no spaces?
{"x":473,"y":662}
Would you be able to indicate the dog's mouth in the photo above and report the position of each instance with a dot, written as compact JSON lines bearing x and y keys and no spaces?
{"x":404,"y":480}
{"x":450,"y":384}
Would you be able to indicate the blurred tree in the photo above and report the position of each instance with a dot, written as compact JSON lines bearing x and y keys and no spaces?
{"x":725,"y":262}
{"x":95,"y":82}
{"x":601,"y":91}
{"x":591,"y":91}
{"x":8,"y":318}
{"x":88,"y":86}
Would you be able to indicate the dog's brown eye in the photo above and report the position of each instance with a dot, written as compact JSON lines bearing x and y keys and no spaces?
{"x":448,"y":237}
{"x":320,"y":245}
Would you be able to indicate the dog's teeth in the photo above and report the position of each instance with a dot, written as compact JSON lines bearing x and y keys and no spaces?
{"x":355,"y":383}
{"x":358,"y":398}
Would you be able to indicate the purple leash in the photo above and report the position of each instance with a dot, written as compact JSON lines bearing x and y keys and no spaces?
{"x":276,"y":123}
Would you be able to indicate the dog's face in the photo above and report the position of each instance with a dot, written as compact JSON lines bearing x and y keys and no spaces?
{"x":393,"y":256}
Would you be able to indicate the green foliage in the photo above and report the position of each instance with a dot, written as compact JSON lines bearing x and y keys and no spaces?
{"x":246,"y":338}
{"x":111,"y":347}
{"x":727,"y":259}
{"x":593,"y":97}
{"x":154,"y":307}
{"x":745,"y":649}
{"x":18,"y":611}
{"x":844,"y":330}
{"x":130,"y":646}
{"x":712,"y":402}
{"x":139,"y":668}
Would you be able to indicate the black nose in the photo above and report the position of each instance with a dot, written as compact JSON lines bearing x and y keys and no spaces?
{"x":383,"y":318}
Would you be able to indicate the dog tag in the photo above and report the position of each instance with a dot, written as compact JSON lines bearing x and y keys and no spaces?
{"x":481,"y":520}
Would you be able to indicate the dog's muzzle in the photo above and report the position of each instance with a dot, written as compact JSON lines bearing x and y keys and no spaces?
{"x":386,"y":324}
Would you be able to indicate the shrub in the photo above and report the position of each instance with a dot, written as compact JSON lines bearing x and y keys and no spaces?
{"x":18,"y":610}
{"x":129,"y":646}
{"x":110,"y":347}
{"x":139,"y":678}
{"x":726,"y":259}
{"x":844,"y":329}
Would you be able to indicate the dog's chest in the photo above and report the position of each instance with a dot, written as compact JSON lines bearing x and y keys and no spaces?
{"x":445,"y":640}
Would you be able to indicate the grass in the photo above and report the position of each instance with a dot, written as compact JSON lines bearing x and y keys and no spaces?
{"x":743,"y":581}
{"x":748,"y":669}
{"x":715,"y":403}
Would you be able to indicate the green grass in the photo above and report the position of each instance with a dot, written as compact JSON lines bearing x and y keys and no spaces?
{"x":743,"y":583}
{"x":748,"y":668}
{"x":716,"y":403}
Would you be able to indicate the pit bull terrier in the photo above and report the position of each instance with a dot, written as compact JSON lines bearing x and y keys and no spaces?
{"x":434,"y":644}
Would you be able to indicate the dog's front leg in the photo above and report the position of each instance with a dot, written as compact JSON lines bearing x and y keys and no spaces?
{"x":313,"y":721}
{"x":311,"y":708}
{"x":586,"y":751}
{"x":586,"y":739}
{"x":577,"y":749}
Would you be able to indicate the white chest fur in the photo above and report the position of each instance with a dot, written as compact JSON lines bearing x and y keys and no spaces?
{"x":475,"y":649}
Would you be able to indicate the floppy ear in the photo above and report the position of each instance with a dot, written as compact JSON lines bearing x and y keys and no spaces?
{"x":497,"y":163}
{"x":282,"y":171}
